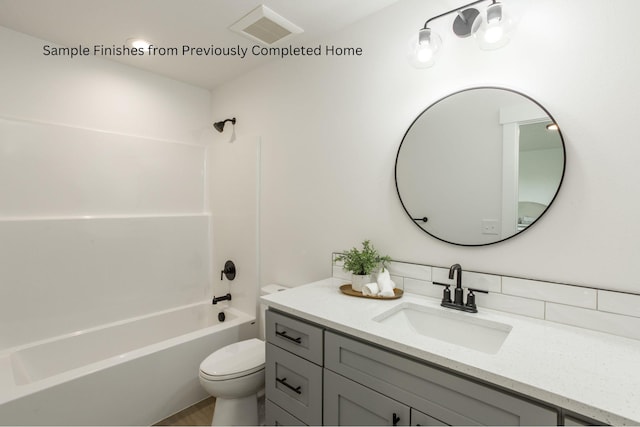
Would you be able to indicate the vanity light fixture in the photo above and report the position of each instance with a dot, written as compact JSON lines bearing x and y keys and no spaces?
{"x":491,"y":29}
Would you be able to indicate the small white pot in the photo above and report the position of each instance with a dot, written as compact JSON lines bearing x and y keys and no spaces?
{"x":358,"y":281}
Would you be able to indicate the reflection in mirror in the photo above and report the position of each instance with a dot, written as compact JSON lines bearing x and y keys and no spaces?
{"x":480,"y":166}
{"x":539,"y":170}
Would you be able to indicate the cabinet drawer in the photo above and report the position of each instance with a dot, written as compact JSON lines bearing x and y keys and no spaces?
{"x":347,"y":403}
{"x":294,"y":384}
{"x":276,"y":416}
{"x":420,"y":419}
{"x":298,"y":337}
{"x":578,"y":420}
{"x":449,"y":398}
{"x":571,"y":421}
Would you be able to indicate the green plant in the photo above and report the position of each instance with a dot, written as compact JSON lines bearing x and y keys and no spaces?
{"x":363,"y":262}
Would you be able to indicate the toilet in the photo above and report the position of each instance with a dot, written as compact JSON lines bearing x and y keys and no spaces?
{"x":234,"y":375}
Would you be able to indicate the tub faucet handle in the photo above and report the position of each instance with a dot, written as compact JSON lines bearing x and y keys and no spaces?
{"x":229,"y":270}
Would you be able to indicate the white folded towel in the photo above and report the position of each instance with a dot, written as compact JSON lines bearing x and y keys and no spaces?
{"x":383,"y":275}
{"x":385,"y":284}
{"x":370,"y":289}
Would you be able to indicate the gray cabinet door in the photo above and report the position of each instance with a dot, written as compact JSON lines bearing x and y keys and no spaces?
{"x":347,"y":403}
{"x":578,"y":420}
{"x":450,"y":398}
{"x":276,"y":416}
{"x":294,"y":384}
{"x":420,"y":419}
{"x":571,"y":421}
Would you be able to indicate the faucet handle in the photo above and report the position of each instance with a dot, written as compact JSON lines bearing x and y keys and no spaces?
{"x":441,"y":284}
{"x":446,"y":294}
{"x":471,"y":298}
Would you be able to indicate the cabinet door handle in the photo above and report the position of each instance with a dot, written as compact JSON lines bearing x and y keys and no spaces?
{"x":283,"y":334}
{"x":396,"y":419}
{"x":284,"y":382}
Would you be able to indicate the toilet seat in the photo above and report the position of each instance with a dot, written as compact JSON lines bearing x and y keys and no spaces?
{"x":234,"y":360}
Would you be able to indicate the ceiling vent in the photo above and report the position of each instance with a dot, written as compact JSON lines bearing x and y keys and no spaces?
{"x":265,"y":26}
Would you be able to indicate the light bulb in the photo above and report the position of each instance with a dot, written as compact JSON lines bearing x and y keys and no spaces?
{"x":494,"y":31}
{"x":423,"y":48}
{"x":424,"y":53}
{"x":493,"y":34}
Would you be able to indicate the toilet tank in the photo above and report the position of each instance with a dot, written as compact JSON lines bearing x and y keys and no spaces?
{"x":267,"y":290}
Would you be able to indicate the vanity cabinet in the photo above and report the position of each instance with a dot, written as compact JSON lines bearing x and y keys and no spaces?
{"x":577,"y":420}
{"x":317,"y":376}
{"x":276,"y":416}
{"x":437,"y":397}
{"x":420,"y":419}
{"x":293,"y":371}
{"x":347,"y":403}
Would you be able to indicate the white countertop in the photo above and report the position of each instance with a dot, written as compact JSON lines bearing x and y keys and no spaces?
{"x":591,"y":373}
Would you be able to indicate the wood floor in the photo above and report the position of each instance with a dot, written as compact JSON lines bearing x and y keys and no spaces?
{"x":199,"y":414}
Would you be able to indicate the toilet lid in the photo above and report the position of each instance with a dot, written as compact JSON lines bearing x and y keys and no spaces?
{"x":235,"y":360}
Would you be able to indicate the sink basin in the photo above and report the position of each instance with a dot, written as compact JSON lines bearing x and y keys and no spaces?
{"x":450,"y":326}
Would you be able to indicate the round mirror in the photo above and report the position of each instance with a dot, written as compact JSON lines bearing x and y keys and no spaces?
{"x":480,"y":166}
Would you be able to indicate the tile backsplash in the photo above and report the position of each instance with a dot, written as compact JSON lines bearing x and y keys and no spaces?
{"x":607,"y":311}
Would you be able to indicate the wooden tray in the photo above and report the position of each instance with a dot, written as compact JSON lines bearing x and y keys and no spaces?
{"x":346,"y":289}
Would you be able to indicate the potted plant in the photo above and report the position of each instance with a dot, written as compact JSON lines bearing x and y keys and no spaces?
{"x":361,"y":263}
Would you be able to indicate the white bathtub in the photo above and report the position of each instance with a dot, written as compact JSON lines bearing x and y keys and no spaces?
{"x":133,"y":372}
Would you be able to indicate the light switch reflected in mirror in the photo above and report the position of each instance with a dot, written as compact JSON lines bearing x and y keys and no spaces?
{"x":480,"y":166}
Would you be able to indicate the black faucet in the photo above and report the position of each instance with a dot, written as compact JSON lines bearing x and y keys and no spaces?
{"x":227,"y":297}
{"x":458,"y":293}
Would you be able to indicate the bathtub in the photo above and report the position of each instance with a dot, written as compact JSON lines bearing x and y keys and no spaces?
{"x":133,"y":372}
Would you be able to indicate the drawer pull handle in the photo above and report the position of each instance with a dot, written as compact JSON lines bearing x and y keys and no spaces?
{"x":283,"y":334}
{"x":396,"y":419}
{"x":284,"y":382}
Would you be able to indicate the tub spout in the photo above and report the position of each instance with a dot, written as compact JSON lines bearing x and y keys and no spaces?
{"x":227,"y":297}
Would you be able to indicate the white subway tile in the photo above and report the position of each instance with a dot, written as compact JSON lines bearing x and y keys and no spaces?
{"x":413,"y":271}
{"x":511,"y":304}
{"x":341,"y":273}
{"x":422,"y":287}
{"x":552,"y":292}
{"x":616,"y":324}
{"x":470,"y":279}
{"x":398,"y":280}
{"x":619,"y":302}
{"x":441,"y":275}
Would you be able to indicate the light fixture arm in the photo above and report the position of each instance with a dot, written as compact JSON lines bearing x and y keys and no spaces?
{"x":458,"y":10}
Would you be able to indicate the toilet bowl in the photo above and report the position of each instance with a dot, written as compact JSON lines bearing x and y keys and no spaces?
{"x":234,"y":375}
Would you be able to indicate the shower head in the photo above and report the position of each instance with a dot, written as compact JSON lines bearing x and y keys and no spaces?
{"x":220,"y":125}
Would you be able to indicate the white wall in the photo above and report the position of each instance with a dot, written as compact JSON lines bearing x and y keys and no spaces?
{"x":330,"y":128}
{"x":234,"y":170}
{"x":102,"y":192}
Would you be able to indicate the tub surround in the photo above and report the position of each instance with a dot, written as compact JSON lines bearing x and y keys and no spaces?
{"x":572,"y":368}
